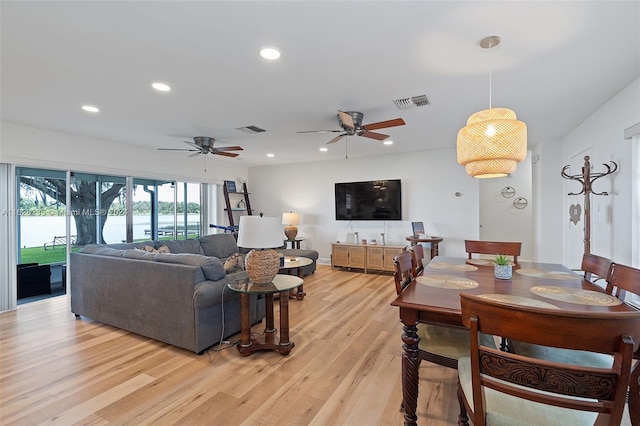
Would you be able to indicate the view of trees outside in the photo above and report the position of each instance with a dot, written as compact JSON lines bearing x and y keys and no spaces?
{"x":45,"y":197}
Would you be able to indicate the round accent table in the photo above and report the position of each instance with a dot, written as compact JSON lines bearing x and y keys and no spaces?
{"x":431,"y":240}
{"x":281,"y":284}
{"x":296,"y":263}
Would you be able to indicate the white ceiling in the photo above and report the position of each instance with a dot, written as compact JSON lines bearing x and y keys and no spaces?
{"x":557,"y":63}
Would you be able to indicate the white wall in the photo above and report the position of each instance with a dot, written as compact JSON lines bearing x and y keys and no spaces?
{"x":548,"y":214}
{"x":28,"y":146}
{"x":603,"y":133}
{"x":500,"y":220}
{"x":430,"y":180}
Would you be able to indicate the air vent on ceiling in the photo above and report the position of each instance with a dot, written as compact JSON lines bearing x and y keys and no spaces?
{"x":412,"y":102}
{"x":251,"y":129}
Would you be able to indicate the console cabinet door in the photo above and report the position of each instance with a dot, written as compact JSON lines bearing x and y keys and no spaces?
{"x":389,"y":253}
{"x":340,"y":255}
{"x":375,"y":258}
{"x":357,"y":256}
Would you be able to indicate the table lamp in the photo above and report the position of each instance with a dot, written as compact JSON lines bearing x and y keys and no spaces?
{"x":262,"y":234}
{"x":290,"y":220}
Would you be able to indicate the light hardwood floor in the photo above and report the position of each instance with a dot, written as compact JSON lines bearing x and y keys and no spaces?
{"x":344,"y":370}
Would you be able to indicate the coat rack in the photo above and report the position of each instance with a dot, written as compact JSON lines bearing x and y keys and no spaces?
{"x":587,"y":179}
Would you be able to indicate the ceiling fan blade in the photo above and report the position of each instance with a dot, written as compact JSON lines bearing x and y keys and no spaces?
{"x":228,"y":148}
{"x":226,"y":154}
{"x":337,"y":138}
{"x":195,"y":154}
{"x":319,"y":131}
{"x":199,"y":148}
{"x":373,"y":135}
{"x":384,"y":124}
{"x":347,"y":120}
{"x":175,"y":149}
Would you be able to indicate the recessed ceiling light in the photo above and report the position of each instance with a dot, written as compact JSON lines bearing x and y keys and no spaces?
{"x":324,"y":149}
{"x":270,"y":53}
{"x":388,"y":142}
{"x":90,"y":108}
{"x":270,"y":155}
{"x":161,"y":87}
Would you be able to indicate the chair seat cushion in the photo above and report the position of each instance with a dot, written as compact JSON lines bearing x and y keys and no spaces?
{"x":565,"y":356}
{"x":502,"y":409}
{"x":450,"y":342}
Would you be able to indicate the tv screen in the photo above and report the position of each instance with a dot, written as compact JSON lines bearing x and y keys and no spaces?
{"x":371,"y":200}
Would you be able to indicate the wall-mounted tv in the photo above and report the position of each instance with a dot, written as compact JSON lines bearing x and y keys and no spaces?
{"x":370,"y":200}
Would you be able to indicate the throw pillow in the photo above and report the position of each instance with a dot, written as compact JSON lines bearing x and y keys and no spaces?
{"x":234,"y":263}
{"x":162,"y":249}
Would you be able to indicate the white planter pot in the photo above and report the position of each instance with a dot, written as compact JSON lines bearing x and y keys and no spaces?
{"x":503,"y":272}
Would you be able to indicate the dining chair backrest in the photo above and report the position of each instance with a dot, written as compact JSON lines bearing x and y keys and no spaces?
{"x":596,"y":265}
{"x":417,"y":257}
{"x":623,"y":278}
{"x":581,"y":388}
{"x":402,"y":275}
{"x":508,"y":248}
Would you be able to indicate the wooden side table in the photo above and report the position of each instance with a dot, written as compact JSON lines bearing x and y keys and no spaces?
{"x":296,"y":263}
{"x":281,"y":284}
{"x":295,"y":243}
{"x":431,"y":240}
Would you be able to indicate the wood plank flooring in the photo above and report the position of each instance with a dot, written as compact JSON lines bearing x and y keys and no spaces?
{"x":344,"y":369}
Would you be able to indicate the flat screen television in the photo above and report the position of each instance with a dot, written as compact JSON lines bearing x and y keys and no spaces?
{"x":370,"y":200}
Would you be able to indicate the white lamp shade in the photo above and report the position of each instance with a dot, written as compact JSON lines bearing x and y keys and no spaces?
{"x":290,"y":218}
{"x":259,"y":232}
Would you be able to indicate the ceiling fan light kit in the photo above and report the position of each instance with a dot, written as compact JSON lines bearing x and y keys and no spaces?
{"x":494,"y":140}
{"x":351,"y":124}
{"x":204,"y":145}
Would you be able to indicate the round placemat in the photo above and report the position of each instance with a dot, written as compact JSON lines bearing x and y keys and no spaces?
{"x":578,"y":296}
{"x":518,"y":300}
{"x":446,"y":281}
{"x":451,"y":266}
{"x":480,"y":262}
{"x":551,"y":275}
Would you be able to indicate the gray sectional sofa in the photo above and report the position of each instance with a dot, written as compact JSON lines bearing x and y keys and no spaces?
{"x":180,"y":297}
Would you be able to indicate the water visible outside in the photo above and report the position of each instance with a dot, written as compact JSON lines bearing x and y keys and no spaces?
{"x":37,"y":230}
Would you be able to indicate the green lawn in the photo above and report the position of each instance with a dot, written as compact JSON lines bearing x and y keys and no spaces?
{"x":42,"y":256}
{"x":57,"y":254}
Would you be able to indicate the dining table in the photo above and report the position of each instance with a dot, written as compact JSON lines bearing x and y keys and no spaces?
{"x":434,"y":297}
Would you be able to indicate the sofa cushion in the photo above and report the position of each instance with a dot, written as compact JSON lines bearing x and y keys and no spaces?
{"x":101,"y":250}
{"x":218,"y":245}
{"x":139,"y":254}
{"x":211,"y":267}
{"x":184,"y":246}
{"x":234,"y":263}
{"x":129,"y":246}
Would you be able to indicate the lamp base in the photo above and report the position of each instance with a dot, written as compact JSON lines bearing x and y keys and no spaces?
{"x":262,"y":265}
{"x":290,"y":232}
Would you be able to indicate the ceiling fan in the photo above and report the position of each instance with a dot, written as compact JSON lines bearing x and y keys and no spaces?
{"x":204,"y":145}
{"x":351,"y":124}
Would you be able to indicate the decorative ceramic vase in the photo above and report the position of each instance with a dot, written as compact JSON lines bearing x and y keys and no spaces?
{"x":503,"y":272}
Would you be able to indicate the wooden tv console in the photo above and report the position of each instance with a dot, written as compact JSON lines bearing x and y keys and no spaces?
{"x":364,"y":256}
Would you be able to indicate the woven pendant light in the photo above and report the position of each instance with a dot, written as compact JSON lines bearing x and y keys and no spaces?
{"x":494,"y":140}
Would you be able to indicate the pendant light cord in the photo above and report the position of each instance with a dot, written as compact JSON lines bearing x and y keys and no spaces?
{"x":490,"y":71}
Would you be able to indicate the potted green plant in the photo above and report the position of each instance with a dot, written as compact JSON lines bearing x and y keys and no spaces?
{"x":502,"y":267}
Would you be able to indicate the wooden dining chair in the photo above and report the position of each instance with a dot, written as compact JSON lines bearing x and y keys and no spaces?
{"x":439,"y":344}
{"x":417,"y":259}
{"x":625,"y":279}
{"x":493,"y":247}
{"x":496,"y":387}
{"x":596,"y":267}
